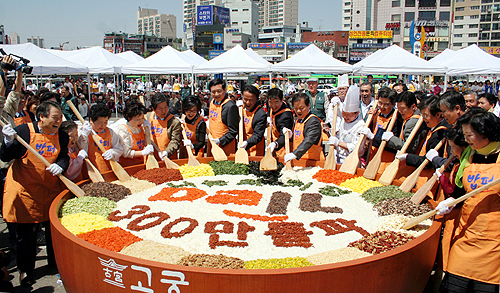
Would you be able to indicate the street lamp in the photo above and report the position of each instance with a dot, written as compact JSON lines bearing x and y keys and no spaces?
{"x":62,"y":44}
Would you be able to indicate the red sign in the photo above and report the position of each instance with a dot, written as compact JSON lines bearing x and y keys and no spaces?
{"x":392,"y":25}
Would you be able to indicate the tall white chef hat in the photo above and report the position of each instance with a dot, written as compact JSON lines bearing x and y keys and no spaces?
{"x":351,"y":103}
{"x":343,"y":80}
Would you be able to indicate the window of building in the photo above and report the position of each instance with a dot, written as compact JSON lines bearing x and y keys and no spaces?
{"x":444,"y":15}
{"x":347,"y":18}
{"x":457,"y":35}
{"x":407,"y":46}
{"x":495,"y":26}
{"x":443,"y":32}
{"x":442,"y":46}
{"x":474,"y":16}
{"x":427,"y":15}
{"x":495,"y":36}
{"x":486,"y":8}
{"x":460,"y":8}
{"x":427,"y":3}
{"x":245,"y":22}
{"x":347,"y":3}
{"x":496,"y":17}
{"x":473,"y":35}
{"x":409,"y":3}
{"x":396,"y":17}
{"x":234,"y":23}
{"x":459,"y":26}
{"x":485,"y":17}
{"x":246,"y":9}
{"x":458,"y":1}
{"x":396,"y":3}
{"x":485,"y":26}
{"x":409,"y":16}
{"x":445,"y":3}
{"x":346,"y":25}
{"x":473,"y":25}
{"x":459,"y":17}
{"x":477,"y":7}
{"x":457,"y":44}
{"x":347,"y":10}
{"x":470,"y":44}
{"x":484,"y":36}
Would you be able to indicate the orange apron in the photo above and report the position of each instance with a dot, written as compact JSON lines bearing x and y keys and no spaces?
{"x":95,"y":155}
{"x":401,"y":135}
{"x":29,"y":188}
{"x":23,"y":120}
{"x":138,"y":143}
{"x":80,"y":177}
{"x":191,"y":135}
{"x":423,"y":149}
{"x":315,"y":152}
{"x":380,"y":122}
{"x":259,"y":148}
{"x":275,"y":133}
{"x":474,"y":251}
{"x":159,"y":134}
{"x":218,"y":128}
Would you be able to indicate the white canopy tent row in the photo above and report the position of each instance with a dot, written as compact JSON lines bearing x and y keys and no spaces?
{"x":130,"y":56}
{"x":471,"y":60}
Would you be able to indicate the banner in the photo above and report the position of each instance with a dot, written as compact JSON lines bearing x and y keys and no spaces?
{"x":370,"y":34}
{"x":417,"y":40}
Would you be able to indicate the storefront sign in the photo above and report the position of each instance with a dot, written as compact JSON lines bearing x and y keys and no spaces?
{"x":370,"y":34}
{"x":442,"y":39}
{"x":378,"y":46}
{"x":232,"y":31}
{"x":266,"y":45}
{"x":298,"y":45}
{"x":214,"y":53}
{"x":491,"y":50}
{"x":392,"y":25}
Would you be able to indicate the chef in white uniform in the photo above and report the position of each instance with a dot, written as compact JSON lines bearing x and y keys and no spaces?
{"x":342,"y":86}
{"x":348,"y":133}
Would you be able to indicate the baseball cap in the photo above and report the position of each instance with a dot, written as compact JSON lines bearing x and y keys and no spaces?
{"x":312,"y":79}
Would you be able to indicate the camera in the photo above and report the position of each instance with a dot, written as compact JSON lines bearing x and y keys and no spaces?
{"x":19,"y":62}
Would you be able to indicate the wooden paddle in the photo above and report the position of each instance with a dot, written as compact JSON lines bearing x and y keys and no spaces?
{"x":268,"y":162}
{"x":374,"y":164}
{"x":424,"y":190}
{"x":169,"y":164}
{"x":77,"y":191}
{"x":288,"y":165}
{"x":391,"y":171}
{"x":115,"y":166}
{"x":414,"y":221}
{"x":351,"y":163}
{"x":94,"y":174}
{"x":411,"y":180}
{"x":217,"y":151}
{"x":241,"y":155}
{"x":151,"y":162}
{"x":331,"y":160}
{"x":192,"y":161}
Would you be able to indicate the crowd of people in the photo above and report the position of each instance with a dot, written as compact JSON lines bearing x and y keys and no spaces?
{"x":465,"y":119}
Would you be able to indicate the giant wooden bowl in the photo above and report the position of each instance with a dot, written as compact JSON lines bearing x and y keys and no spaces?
{"x":87,"y":268}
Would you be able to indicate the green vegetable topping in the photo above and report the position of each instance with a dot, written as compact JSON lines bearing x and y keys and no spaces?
{"x":214,"y":183}
{"x":306,"y":186}
{"x":333,"y":191}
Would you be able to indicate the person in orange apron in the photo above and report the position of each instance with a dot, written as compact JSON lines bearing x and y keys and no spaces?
{"x":254,"y":122}
{"x":452,"y":104}
{"x":75,"y":170}
{"x":223,"y":117}
{"x":99,"y":116}
{"x":132,"y":135}
{"x":280,"y":116}
{"x":195,"y":127}
{"x":306,"y":133}
{"x":30,"y":186}
{"x":166,"y":131}
{"x":472,"y":246}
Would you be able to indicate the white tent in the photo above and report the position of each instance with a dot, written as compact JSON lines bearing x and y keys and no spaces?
{"x":130,"y":56}
{"x":396,"y":60}
{"x":98,"y":60}
{"x":167,"y":60}
{"x":44,"y":62}
{"x":235,"y":60}
{"x":193,"y":57}
{"x":443,"y":57}
{"x":312,"y":60}
{"x":257,"y":57}
{"x":472,"y":60}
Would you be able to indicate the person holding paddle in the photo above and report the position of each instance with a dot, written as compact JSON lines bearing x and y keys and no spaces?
{"x":471,"y":239}
{"x":99,"y":116}
{"x":195,"y":126}
{"x":30,"y":186}
{"x":76,"y":157}
{"x":307,"y":132}
{"x":280,"y":116}
{"x":254,"y":122}
{"x":165,"y":129}
{"x":223,"y":117}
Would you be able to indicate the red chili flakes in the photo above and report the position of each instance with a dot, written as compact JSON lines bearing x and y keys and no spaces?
{"x":337,"y":226}
{"x":134,"y":224}
{"x":114,"y":239}
{"x":167,"y":233}
{"x":254,"y":217}
{"x":239,"y":197}
{"x":332,"y":176}
{"x":227,"y":228}
{"x":136,"y":210}
{"x":159,"y":175}
{"x":381,"y":241}
{"x":289,"y":234}
{"x":168,"y":193}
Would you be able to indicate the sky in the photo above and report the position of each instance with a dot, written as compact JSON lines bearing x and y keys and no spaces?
{"x":83,"y":23}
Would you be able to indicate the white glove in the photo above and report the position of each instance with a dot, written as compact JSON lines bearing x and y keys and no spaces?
{"x":387,"y":135}
{"x":108,"y":155}
{"x":335,"y":101}
{"x":401,"y":157}
{"x":367,"y":132}
{"x":82,"y":154}
{"x":443,"y":208}
{"x":147,"y":150}
{"x":289,"y":157}
{"x":239,"y":103}
{"x":146,"y":123}
{"x":431,"y":154}
{"x":216,"y":141}
{"x":333,"y":140}
{"x":187,"y":142}
{"x":285,"y":130}
{"x":180,"y":119}
{"x":163,"y":154}
{"x":8,"y":134}
{"x":438,"y":174}
{"x":86,"y":129}
{"x":269,"y":121}
{"x":54,"y":169}
{"x":271,"y":146}
{"x":243,"y":145}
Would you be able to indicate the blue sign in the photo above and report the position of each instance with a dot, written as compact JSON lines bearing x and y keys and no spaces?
{"x":357,"y":46}
{"x":204,"y":14}
{"x":298,"y":45}
{"x":214,"y":53}
{"x":221,"y":15}
{"x":211,"y":15}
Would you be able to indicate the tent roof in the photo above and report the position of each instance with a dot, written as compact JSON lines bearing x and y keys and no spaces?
{"x":233,"y":61}
{"x":472,"y":60}
{"x":167,"y":60}
{"x":312,"y":60}
{"x":443,"y":57}
{"x":193,"y":57}
{"x":257,"y":57}
{"x":44,"y":62}
{"x":396,"y":60}
{"x":97,"y":59}
{"x":130,"y":56}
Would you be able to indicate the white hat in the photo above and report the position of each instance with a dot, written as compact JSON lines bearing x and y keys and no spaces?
{"x":312,"y":79}
{"x":351,"y":103}
{"x":343,"y":80}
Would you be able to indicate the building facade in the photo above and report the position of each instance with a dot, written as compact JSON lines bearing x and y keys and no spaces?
{"x":489,"y":25}
{"x":283,"y":33}
{"x":117,"y":42}
{"x":3,"y":39}
{"x":151,"y":23}
{"x":334,"y":43}
{"x":278,"y":13}
{"x":190,"y":9}
{"x":244,"y":16}
{"x":37,"y":41}
{"x":14,"y":39}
